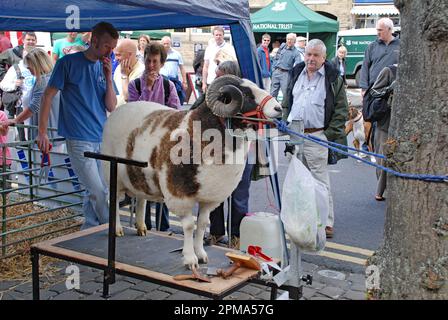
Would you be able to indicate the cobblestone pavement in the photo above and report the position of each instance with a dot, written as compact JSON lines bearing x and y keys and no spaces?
{"x":327,"y":285}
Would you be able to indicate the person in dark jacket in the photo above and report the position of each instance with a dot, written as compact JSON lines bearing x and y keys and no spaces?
{"x":316,"y":94}
{"x":265,"y":61}
{"x":339,"y":62}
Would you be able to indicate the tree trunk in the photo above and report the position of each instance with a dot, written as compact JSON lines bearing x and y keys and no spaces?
{"x":413,"y":261}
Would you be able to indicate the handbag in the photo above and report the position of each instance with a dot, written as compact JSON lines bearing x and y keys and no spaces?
{"x":10,"y":99}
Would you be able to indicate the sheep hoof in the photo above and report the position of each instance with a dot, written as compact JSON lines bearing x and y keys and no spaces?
{"x":141,"y":231}
{"x":119,"y":232}
{"x":191,"y":262}
{"x":202,"y":256}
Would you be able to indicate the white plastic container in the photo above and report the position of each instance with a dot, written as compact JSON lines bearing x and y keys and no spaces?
{"x":262,"y":229}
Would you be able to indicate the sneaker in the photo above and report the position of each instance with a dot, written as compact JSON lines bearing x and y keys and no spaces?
{"x":329,"y":232}
{"x":212,"y":239}
{"x":235,"y":243}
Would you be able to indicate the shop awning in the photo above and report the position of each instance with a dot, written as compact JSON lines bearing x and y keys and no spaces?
{"x":375,"y":10}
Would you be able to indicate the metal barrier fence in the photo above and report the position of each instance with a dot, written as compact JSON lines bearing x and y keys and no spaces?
{"x":33,"y":209}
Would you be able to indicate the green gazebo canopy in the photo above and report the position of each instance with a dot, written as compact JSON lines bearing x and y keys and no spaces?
{"x":285,"y":16}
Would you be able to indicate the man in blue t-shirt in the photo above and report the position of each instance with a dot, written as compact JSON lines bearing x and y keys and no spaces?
{"x":87,"y":93}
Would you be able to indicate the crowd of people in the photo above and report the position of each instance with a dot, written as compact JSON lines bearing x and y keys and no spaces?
{"x":90,"y":75}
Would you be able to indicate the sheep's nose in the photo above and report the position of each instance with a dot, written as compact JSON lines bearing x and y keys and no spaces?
{"x":278,"y":109}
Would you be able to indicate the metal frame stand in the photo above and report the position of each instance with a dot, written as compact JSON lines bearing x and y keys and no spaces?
{"x":109,"y":272}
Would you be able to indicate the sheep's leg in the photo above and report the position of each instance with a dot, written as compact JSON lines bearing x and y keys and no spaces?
{"x":202,"y":223}
{"x":190,"y":258}
{"x":118,"y":228}
{"x":140,"y":217}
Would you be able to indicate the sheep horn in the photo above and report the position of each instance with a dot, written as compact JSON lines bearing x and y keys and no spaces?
{"x":223,"y":96}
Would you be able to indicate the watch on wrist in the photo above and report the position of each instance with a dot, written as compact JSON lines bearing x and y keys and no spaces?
{"x":124,"y":77}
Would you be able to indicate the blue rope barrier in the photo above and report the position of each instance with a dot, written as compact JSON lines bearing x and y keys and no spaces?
{"x":283,"y":127}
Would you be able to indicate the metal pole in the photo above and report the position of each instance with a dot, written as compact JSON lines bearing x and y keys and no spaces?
{"x":229,"y":215}
{"x":109,"y":273}
{"x":30,"y":166}
{"x":35,"y":273}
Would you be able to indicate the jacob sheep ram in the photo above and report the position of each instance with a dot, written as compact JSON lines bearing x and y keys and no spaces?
{"x":147,"y":131}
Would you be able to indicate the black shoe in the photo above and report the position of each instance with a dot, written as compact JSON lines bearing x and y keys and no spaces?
{"x":126,"y":202}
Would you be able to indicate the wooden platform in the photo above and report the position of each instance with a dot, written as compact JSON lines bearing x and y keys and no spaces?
{"x":146,"y":258}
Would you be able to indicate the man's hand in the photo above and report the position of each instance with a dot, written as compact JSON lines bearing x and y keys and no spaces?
{"x":125,"y":67}
{"x":151,"y":78}
{"x":43,"y":142}
{"x":4,"y":126}
{"x":204,"y":86}
{"x":107,"y":67}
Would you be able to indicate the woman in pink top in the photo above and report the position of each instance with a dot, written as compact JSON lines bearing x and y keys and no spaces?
{"x":150,"y":86}
{"x":3,"y":139}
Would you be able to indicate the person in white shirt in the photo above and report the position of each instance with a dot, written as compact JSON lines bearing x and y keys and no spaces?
{"x":173,"y":64}
{"x":129,"y":68}
{"x":209,"y":69}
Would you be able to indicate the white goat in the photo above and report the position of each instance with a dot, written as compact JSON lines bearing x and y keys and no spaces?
{"x":146,"y":131}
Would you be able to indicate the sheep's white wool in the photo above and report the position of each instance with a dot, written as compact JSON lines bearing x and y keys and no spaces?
{"x":150,"y":132}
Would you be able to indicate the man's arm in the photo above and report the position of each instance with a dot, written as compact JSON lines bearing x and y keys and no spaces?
{"x":336,"y":126}
{"x":184,"y":77}
{"x":364,"y":77}
{"x":42,"y":138}
{"x":110,"y":98}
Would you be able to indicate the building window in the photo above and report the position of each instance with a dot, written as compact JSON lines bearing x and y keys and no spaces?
{"x":201,"y":30}
{"x":369,"y":21}
{"x":180,"y":30}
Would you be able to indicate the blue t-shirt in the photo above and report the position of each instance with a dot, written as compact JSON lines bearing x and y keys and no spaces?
{"x":82,"y":111}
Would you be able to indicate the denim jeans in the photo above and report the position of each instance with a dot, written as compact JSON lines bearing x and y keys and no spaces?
{"x":89,"y":171}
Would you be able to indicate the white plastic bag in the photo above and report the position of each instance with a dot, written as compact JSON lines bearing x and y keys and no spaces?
{"x":304,"y":202}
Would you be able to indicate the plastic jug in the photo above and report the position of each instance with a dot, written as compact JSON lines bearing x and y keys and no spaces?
{"x":262,"y":229}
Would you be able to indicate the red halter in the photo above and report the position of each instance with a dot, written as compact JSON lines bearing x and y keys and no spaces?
{"x":258,"y":113}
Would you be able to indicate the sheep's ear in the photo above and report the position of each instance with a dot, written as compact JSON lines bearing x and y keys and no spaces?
{"x":224,"y":97}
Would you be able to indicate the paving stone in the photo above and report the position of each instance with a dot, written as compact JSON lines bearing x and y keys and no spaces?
{"x":119,"y":286}
{"x":146,"y":286}
{"x":168,"y":289}
{"x":26,"y":287}
{"x":358,"y":287}
{"x":59,"y":287}
{"x":132,"y":280}
{"x":343,"y":284}
{"x":355,"y":295}
{"x":316,"y":285}
{"x":47,"y":294}
{"x":307,"y":293}
{"x":69,"y":295}
{"x":127,"y":295}
{"x":95,"y":296}
{"x":182,"y":295}
{"x":251,"y":290}
{"x":239,"y":296}
{"x":6,"y":285}
{"x":319,"y":297}
{"x":357,"y":277}
{"x":13,"y":295}
{"x":332,"y":292}
{"x":157,"y":295}
{"x":309,"y":267}
{"x":89,"y":287}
